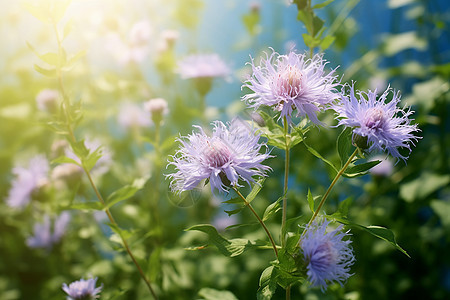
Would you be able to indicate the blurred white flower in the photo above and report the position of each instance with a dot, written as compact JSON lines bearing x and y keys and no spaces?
{"x":132,"y":115}
{"x":158,"y":108}
{"x":47,"y":100}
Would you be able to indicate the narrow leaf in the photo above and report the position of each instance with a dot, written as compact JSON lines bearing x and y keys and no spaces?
{"x":46,"y":72}
{"x":272,"y":209}
{"x":322,"y":5}
{"x":64,"y":160}
{"x":227,"y":247}
{"x":310,"y":201}
{"x":361,"y":169}
{"x":124,"y":192}
{"x":344,"y":145}
{"x":256,"y":189}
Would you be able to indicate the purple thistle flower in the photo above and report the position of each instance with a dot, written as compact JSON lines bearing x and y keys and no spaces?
{"x":225,"y":157}
{"x":385,"y":126}
{"x":42,"y":232}
{"x":82,"y":289}
{"x":289,"y":82}
{"x":327,"y":255}
{"x":203,"y":66}
{"x":27,"y":180}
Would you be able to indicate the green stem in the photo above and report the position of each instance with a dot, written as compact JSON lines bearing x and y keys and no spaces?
{"x":339,"y":174}
{"x":124,"y":241}
{"x":274,"y":246}
{"x":66,"y":105}
{"x":286,"y":178}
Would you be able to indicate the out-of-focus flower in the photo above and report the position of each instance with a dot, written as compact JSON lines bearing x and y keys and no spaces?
{"x":47,"y":100}
{"x":225,"y":157}
{"x":58,"y":148}
{"x":82,"y":289}
{"x":42,"y":232}
{"x":158,"y":108}
{"x":132,"y":115}
{"x":203,"y":66}
{"x":27,"y":180}
{"x":65,"y":174}
{"x":289,"y":82}
{"x":384,"y":168}
{"x":136,"y":49}
{"x":140,"y":33}
{"x":221,"y":221}
{"x":327,"y":255}
{"x":167,"y":40}
{"x":377,"y":125}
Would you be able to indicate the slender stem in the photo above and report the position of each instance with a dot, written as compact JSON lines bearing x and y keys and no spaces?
{"x":339,"y":174}
{"x":288,"y":292}
{"x":286,"y":178}
{"x":274,"y":246}
{"x":124,"y":241}
{"x":66,"y":106}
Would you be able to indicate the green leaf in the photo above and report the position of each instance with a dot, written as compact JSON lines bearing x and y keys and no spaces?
{"x":92,"y":158}
{"x":267,"y":284}
{"x":378,"y":231}
{"x":423,"y":186}
{"x":310,"y":201}
{"x":92,"y":205}
{"x":317,"y":26}
{"x":322,"y":5}
{"x":46,"y":72}
{"x":361,"y":169}
{"x":306,"y":17}
{"x":326,"y":42}
{"x":58,"y":9}
{"x":442,"y":209}
{"x":272,"y":209}
{"x":79,"y":149}
{"x":396,"y":43}
{"x":121,"y":233}
{"x":38,"y":11}
{"x":234,"y":211}
{"x":344,"y":145}
{"x":73,"y":60}
{"x":67,"y":28}
{"x":154,"y":264}
{"x":310,"y":41}
{"x":212,"y":294}
{"x":125,"y":192}
{"x":301,"y":4}
{"x":251,"y":21}
{"x":257,"y":186}
{"x":227,"y":247}
{"x":64,"y":160}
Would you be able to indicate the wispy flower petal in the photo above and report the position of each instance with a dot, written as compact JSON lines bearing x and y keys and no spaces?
{"x":227,"y":156}
{"x":291,"y":82}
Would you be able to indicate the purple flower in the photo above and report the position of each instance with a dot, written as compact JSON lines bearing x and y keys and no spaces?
{"x":385,"y":126}
{"x":27,"y":180}
{"x":47,"y":100}
{"x":203,"y":66}
{"x":82,"y":289}
{"x":289,"y":82}
{"x":327,"y":255}
{"x":132,"y":115}
{"x":42,"y":233}
{"x":225,"y":157}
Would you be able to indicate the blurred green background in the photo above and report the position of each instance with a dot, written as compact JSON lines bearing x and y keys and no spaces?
{"x":401,"y":43}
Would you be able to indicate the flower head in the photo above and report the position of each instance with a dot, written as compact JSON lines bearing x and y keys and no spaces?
{"x":27,"y":180}
{"x":42,"y":232}
{"x":82,"y":289}
{"x":203,"y":66}
{"x":291,"y":82}
{"x":47,"y":100}
{"x":385,"y":126}
{"x":157,"y":108}
{"x":132,"y":115}
{"x":327,"y":255}
{"x":226,"y":156}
